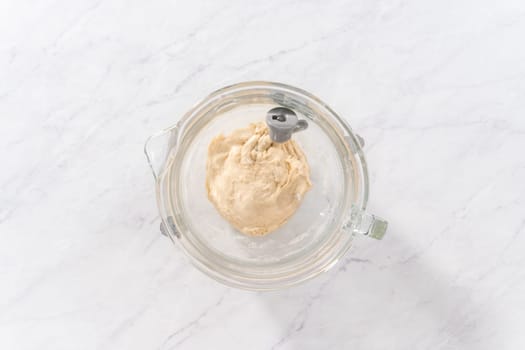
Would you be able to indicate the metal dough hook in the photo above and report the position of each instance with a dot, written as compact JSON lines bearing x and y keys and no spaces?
{"x":282,"y":123}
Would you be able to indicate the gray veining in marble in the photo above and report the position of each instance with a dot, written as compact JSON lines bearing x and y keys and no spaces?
{"x":436,"y":89}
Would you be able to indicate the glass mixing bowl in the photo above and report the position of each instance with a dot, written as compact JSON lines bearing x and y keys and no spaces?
{"x":314,"y":238}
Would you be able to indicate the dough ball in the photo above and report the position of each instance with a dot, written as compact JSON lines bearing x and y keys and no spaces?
{"x":254,"y":183}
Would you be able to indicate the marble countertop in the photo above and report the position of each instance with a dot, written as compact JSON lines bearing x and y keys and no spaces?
{"x":437,"y":89}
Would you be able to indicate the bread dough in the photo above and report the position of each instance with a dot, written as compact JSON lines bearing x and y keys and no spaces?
{"x":254,"y":183}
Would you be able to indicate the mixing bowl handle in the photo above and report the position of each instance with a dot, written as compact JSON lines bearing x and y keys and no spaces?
{"x":158,"y":147}
{"x":367,"y":224}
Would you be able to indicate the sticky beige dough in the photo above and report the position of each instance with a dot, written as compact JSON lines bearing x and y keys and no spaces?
{"x":254,"y":183}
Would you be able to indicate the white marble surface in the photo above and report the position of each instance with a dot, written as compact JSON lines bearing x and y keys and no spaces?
{"x":437,"y":89}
